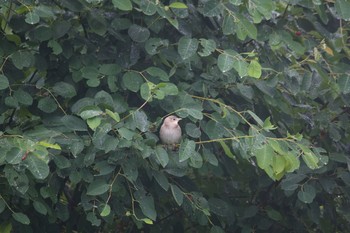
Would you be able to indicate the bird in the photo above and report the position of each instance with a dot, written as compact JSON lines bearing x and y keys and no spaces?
{"x":170,"y":131}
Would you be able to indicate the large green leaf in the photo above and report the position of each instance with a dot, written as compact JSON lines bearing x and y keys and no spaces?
{"x":162,"y":156}
{"x":64,"y":89}
{"x":344,"y":83}
{"x":74,"y":123}
{"x":38,"y":167}
{"x":124,"y":5}
{"x":148,"y":7}
{"x":132,"y":81}
{"x":343,"y":9}
{"x":177,"y":194}
{"x":187,"y":149}
{"x":22,"y":59}
{"x":307,"y":194}
{"x":212,"y":8}
{"x":161,"y":180}
{"x":226,"y":60}
{"x":97,"y":187}
{"x":187,"y":47}
{"x":264,"y":157}
{"x":4,"y":82}
{"x":146,"y":203}
{"x":254,"y":69}
{"x":22,"y":218}
{"x":47,"y":104}
{"x":138,"y":33}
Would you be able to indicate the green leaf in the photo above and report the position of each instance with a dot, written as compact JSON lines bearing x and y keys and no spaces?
{"x":241,"y":66}
{"x":254,"y":69}
{"x":246,"y":91}
{"x":187,"y":47}
{"x":64,"y":89}
{"x":47,"y":104}
{"x":147,"y":221}
{"x":22,"y":59}
{"x":91,"y":113}
{"x":307,"y":194}
{"x":132,"y":81}
{"x":344,"y":84}
{"x":227,"y":150}
{"x":38,"y":167}
{"x":278,"y":164}
{"x":197,"y":114}
{"x":177,"y":194}
{"x":60,"y":28}
{"x":187,"y":148}
{"x":23,"y":97}
{"x":157,"y":72}
{"x":22,"y":218}
{"x":97,"y":187}
{"x":92,"y":218}
{"x":153,"y":45}
{"x":126,"y":133}
{"x":14,"y":155}
{"x":61,"y":161}
{"x":73,"y":5}
{"x":97,"y":23}
{"x":41,"y":33}
{"x":264,"y":157}
{"x":106,"y":210}
{"x":165,"y":89}
{"x":161,"y":180}
{"x":146,"y":90}
{"x":114,"y":115}
{"x":343,"y":9}
{"x":40,"y":207}
{"x":148,"y":7}
{"x":210,"y":157}
{"x":228,"y":24}
{"x":192,"y":130}
{"x":32,"y":18}
{"x":162,"y":156}
{"x":292,"y":162}
{"x":4,"y":82}
{"x":141,"y":120}
{"x":138,"y":33}
{"x":196,"y":160}
{"x":94,"y":122}
{"x":146,"y":202}
{"x":256,"y":118}
{"x":226,"y":60}
{"x":74,"y":123}
{"x":212,"y":8}
{"x":245,"y":28}
{"x":178,"y":5}
{"x":124,"y":5}
{"x":109,"y":69}
{"x":309,"y":157}
{"x":274,"y":214}
{"x":265,"y":7}
{"x":47,"y":144}
{"x":209,"y":47}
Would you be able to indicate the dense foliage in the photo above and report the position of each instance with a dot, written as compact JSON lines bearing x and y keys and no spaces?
{"x":263,"y":88}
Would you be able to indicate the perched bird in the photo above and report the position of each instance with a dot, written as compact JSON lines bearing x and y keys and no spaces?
{"x":170,"y":131}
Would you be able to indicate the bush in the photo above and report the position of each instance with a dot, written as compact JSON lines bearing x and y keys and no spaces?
{"x":262,"y":87}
